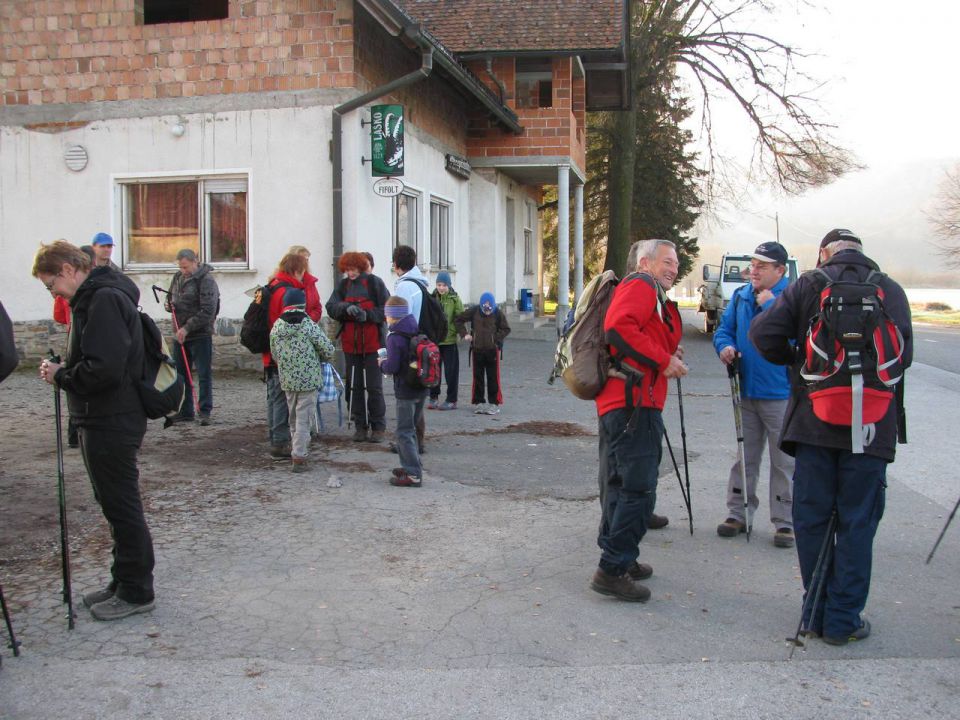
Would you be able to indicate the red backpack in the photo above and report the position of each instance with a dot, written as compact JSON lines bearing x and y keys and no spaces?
{"x":852,"y":356}
{"x":424,"y":366}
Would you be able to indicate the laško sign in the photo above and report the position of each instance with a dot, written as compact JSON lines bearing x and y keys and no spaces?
{"x":386,"y":140}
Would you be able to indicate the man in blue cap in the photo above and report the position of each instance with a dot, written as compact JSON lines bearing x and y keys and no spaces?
{"x":102,"y":251}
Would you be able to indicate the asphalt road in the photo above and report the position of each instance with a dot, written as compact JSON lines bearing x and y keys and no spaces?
{"x":937,"y":346}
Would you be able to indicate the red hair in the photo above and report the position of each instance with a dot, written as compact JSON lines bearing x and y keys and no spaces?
{"x":353,"y":260}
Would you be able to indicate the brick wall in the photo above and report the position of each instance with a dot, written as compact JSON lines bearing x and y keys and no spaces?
{"x":74,"y":51}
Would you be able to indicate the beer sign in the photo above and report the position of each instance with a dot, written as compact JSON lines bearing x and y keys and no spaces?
{"x":386,"y":140}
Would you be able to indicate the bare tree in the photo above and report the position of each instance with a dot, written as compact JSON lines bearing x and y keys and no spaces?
{"x":945,"y":217}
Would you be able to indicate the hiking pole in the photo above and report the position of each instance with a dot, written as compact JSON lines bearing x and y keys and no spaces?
{"x":734,"y":374}
{"x":942,"y":532}
{"x":183,"y":350}
{"x":62,"y":498}
{"x":818,"y":586}
{"x":14,"y":643}
{"x":686,"y":500}
{"x":683,"y":438}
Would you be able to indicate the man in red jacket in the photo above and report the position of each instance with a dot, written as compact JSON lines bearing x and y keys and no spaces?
{"x":643,"y":331}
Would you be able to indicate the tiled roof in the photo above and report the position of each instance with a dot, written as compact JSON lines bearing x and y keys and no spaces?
{"x":518,"y":25}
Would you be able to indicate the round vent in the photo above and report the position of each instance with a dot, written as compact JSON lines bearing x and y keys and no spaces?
{"x":75,"y":157}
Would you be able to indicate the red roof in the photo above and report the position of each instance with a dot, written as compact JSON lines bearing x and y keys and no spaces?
{"x":516,"y":26}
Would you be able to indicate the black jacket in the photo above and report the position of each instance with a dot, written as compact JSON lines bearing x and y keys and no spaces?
{"x":105,"y":354}
{"x":8,"y":349}
{"x":488,"y":331}
{"x":781,"y":329}
{"x":196,"y":300}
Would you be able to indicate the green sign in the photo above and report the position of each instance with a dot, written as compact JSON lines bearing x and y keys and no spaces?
{"x":386,"y":140}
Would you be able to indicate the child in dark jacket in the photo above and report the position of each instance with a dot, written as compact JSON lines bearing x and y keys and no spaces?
{"x":488,"y":328}
{"x":401,"y":326}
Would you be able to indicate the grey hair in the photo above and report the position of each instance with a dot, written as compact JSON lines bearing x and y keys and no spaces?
{"x":839,"y":245}
{"x":187,"y":254}
{"x":645,"y":249}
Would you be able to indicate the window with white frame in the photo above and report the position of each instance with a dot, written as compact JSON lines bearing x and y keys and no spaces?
{"x":406,"y":220}
{"x":440,"y":234}
{"x":160,"y":217}
{"x":529,"y":249}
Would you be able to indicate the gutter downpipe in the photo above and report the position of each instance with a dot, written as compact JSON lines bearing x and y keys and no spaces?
{"x":336,"y":146}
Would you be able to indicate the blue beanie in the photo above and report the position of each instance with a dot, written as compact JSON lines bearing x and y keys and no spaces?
{"x":487,"y":298}
{"x":444,"y":277}
{"x":294,"y":297}
{"x":101,"y":238}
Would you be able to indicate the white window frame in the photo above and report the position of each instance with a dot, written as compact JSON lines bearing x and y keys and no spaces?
{"x":417,"y":196}
{"x":119,"y":182}
{"x":442,"y":260}
{"x":529,"y":239}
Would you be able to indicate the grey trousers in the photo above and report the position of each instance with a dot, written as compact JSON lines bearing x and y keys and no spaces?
{"x":302,"y":411}
{"x":762,"y":422}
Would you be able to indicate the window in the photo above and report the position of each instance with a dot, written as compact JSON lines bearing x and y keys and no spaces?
{"x":440,"y":234}
{"x":529,"y":251}
{"x":207,"y":215}
{"x":156,"y":12}
{"x":534,"y":83}
{"x":406,"y":221}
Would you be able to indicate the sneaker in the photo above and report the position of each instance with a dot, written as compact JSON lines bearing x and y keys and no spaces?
{"x":639,"y":571}
{"x":448,"y":406}
{"x":619,"y":586}
{"x":432,"y":404}
{"x":480,"y":409}
{"x":783,"y":538}
{"x":279,"y":452}
{"x":299,"y":465}
{"x":403,"y":479}
{"x":493,"y":409}
{"x":204,"y":420}
{"x":731,"y":527}
{"x":861,"y":633}
{"x":398,"y":471}
{"x":98,"y":596}
{"x":117,"y":609}
{"x":360,"y":434}
{"x":376,"y":436}
{"x":657,"y":522}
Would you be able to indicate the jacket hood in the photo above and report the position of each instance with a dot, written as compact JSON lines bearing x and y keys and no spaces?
{"x":407,"y":324}
{"x":851,"y":257}
{"x":289,"y":323}
{"x":488,"y":298}
{"x":415,"y":274}
{"x":103,"y":277}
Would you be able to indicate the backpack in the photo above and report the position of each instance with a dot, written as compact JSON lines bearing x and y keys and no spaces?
{"x":582,"y":359}
{"x":433,"y":320}
{"x":424,"y":365}
{"x":160,"y":387}
{"x":851,"y":356}
{"x":255,"y":330}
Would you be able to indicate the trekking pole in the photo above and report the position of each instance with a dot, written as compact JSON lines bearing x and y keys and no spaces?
{"x":733,"y":373}
{"x":686,"y":500}
{"x":14,"y":643}
{"x":62,"y":498}
{"x":817,"y":585}
{"x":183,"y":350}
{"x":942,"y":532}
{"x":683,"y":438}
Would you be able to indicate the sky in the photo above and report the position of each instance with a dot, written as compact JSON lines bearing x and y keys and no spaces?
{"x":890,"y":87}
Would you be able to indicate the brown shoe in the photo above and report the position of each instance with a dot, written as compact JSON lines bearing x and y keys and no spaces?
{"x":360,"y":434}
{"x":639,"y":571}
{"x":657,"y":522}
{"x":619,"y":586}
{"x":731,"y":527}
{"x":299,"y":465}
{"x":376,"y":436}
{"x":783,"y":538}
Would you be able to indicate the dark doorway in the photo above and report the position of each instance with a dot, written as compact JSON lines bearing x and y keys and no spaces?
{"x":170,"y":11}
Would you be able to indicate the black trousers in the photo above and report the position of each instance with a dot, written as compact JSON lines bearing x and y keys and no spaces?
{"x":111,"y":461}
{"x":450,"y":356}
{"x":486,"y":366}
{"x":363,"y":377}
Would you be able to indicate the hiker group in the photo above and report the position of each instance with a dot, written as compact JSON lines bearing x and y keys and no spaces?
{"x":815,"y":369}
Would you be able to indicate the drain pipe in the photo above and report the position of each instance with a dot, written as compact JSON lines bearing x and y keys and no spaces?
{"x":336,"y":145}
{"x":498,"y":81}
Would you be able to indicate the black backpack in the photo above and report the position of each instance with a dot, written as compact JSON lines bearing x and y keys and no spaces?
{"x":160,"y":387}
{"x":255,"y":331}
{"x":433,"y":320}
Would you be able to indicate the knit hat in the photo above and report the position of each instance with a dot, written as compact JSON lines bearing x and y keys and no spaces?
{"x":487,"y":304}
{"x":444,"y":277}
{"x":294,"y":298}
{"x":101,"y":238}
{"x":396,"y":307}
{"x":837,"y":235}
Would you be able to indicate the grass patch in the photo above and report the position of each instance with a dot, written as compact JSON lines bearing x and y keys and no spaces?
{"x":926,"y":313}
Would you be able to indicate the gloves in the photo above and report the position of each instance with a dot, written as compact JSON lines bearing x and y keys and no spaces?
{"x":354,"y":311}
{"x":362,"y":315}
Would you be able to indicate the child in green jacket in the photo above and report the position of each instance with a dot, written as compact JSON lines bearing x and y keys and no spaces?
{"x":449,"y":352}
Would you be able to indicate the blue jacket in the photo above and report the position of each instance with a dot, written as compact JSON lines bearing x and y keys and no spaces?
{"x":759,"y":379}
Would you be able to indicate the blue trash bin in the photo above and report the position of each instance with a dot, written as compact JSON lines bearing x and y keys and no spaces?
{"x":526,"y":300}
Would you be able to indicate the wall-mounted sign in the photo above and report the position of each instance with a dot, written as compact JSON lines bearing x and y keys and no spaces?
{"x":458,"y":166}
{"x":386,"y":140}
{"x":388,"y":187}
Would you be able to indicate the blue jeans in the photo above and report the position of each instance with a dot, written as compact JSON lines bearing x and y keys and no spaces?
{"x":278,"y":418}
{"x":200,"y":355}
{"x":408,"y":413}
{"x":825,"y":478}
{"x":629,"y":466}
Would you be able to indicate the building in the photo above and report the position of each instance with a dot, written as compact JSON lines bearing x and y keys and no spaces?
{"x":241,"y":127}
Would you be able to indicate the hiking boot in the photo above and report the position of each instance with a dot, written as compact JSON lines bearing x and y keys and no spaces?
{"x":181,"y":418}
{"x":619,"y":586}
{"x":639,"y":571}
{"x":204,"y":420}
{"x":360,"y":434}
{"x":861,"y":633}
{"x":448,"y":406}
{"x":422,"y":449}
{"x":432,"y":404}
{"x":376,"y":436}
{"x":731,"y":527}
{"x":279,"y":452}
{"x":403,"y":479}
{"x":117,"y":609}
{"x":299,"y":465}
{"x":98,"y":596}
{"x":393,"y":448}
{"x":73,"y":440}
{"x":657,"y":522}
{"x":783,"y":538}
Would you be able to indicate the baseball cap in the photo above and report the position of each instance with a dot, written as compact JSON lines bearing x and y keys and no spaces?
{"x":101,"y":238}
{"x":772,"y":252}
{"x":839,"y":234}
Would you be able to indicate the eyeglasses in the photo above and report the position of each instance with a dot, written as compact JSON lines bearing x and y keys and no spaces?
{"x":49,"y":285}
{"x":104,"y":245}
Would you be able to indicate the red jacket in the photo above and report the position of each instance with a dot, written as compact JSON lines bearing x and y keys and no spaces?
{"x":276,"y":302}
{"x":61,"y":310}
{"x":643,"y":330}
{"x":314,"y":308}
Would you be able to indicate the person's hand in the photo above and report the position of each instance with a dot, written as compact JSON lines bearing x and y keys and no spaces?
{"x":728,"y":354}
{"x":167,"y":306}
{"x":362,"y":315}
{"x":181,"y":335}
{"x":48,"y":370}
{"x":676,"y":368}
{"x":679,"y":351}
{"x":764,"y":296}
{"x":468,"y":337}
{"x":354,"y":311}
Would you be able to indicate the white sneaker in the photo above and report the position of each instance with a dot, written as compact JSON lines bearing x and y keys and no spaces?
{"x":481,"y":409}
{"x":493,"y":409}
